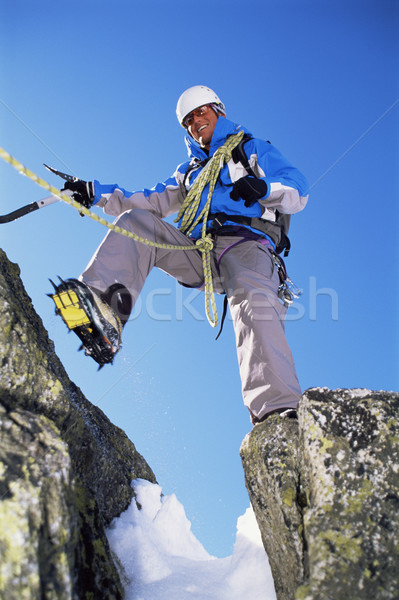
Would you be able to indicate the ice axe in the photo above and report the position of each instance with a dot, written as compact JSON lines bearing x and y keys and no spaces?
{"x":25,"y":210}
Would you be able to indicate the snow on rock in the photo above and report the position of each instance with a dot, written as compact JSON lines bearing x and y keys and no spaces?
{"x":163,"y":560}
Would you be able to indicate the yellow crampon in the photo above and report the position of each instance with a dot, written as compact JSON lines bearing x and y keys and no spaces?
{"x":187,"y":213}
{"x":68,"y":306}
{"x":91,"y":319}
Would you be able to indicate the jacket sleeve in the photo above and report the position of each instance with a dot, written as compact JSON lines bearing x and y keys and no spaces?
{"x":163,"y":199}
{"x":287,"y":188}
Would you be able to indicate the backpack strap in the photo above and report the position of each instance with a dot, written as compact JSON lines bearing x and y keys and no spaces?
{"x":282,"y":241}
{"x":195,"y":164}
{"x":239,"y":155}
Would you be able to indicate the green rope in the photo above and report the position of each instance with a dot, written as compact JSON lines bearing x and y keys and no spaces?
{"x":189,"y":220}
{"x":187,"y":212}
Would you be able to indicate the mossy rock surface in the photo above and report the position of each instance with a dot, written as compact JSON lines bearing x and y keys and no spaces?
{"x":65,"y":469}
{"x":325,"y":491}
{"x":270,"y":460}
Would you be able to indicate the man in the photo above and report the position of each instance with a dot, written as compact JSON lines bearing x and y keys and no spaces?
{"x":245,"y":216}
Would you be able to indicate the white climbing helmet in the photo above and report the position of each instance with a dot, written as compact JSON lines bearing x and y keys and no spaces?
{"x":196,"y":96}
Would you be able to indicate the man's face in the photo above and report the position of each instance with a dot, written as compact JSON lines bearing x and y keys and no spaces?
{"x":200,"y":123}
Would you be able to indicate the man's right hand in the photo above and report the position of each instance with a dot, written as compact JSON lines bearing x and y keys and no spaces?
{"x":83,"y":191}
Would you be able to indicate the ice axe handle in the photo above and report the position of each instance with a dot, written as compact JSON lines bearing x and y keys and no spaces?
{"x":20,"y":212}
{"x":25,"y":210}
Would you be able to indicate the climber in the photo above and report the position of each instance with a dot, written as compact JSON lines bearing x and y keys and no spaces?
{"x":255,"y":192}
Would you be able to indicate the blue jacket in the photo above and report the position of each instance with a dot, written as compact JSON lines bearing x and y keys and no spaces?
{"x":286,"y":186}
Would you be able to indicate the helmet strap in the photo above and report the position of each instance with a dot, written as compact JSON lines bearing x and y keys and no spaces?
{"x":217,"y":109}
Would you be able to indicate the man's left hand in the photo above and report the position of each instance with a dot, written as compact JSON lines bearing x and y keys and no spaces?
{"x":249,"y":189}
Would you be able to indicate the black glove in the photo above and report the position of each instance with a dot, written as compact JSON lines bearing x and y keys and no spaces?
{"x":83,"y":191}
{"x":249,"y":189}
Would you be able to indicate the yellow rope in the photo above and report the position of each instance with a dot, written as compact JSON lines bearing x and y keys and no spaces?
{"x":187,"y":213}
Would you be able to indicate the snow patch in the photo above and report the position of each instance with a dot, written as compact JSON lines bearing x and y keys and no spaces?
{"x":163,"y":560}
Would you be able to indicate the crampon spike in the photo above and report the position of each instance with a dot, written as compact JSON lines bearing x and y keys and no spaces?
{"x":66,"y":288}
{"x":54,"y":286}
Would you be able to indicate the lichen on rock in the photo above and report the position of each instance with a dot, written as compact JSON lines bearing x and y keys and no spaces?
{"x":349,"y":460}
{"x":65,"y":469}
{"x":271,"y":465}
{"x":337,"y":470}
{"x":38,"y":522}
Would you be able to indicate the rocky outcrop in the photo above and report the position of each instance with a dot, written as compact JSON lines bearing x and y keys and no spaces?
{"x":325,"y":491}
{"x":325,"y":488}
{"x":65,"y":469}
{"x":270,"y":459}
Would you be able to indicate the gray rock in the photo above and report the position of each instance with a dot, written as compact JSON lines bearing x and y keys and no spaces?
{"x":270,"y":458}
{"x":65,"y":469}
{"x":325,"y":492}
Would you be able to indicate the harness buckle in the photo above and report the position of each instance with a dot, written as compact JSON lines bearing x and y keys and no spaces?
{"x":218,"y":222}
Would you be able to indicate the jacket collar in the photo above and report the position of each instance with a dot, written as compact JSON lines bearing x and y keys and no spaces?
{"x":223,"y":129}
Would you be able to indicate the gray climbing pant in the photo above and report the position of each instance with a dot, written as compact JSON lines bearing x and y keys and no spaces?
{"x":244,"y":271}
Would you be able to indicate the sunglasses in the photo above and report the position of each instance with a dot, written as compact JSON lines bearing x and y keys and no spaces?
{"x":198,"y":112}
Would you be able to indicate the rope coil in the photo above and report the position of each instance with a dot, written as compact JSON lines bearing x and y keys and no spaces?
{"x":187,"y":213}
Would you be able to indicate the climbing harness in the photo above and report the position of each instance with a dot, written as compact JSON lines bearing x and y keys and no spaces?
{"x":208,"y":177}
{"x":287,"y":290}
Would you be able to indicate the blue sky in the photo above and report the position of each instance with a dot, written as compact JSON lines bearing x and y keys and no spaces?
{"x":90,"y":87}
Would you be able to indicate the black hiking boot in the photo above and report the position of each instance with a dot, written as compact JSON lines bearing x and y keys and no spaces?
{"x":92,"y":319}
{"x":285,"y":413}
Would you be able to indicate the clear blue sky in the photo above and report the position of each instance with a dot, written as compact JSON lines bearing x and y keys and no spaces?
{"x":90,"y":87}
